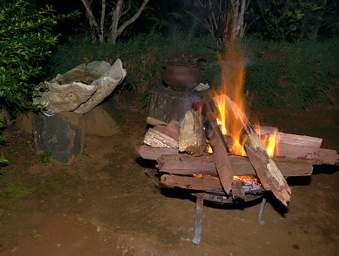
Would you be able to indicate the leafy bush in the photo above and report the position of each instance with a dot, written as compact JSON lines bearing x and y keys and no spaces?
{"x":26,"y":41}
{"x":293,"y":20}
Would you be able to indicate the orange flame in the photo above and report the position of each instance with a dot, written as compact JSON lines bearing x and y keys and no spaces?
{"x":270,"y":143}
{"x":232,"y":86}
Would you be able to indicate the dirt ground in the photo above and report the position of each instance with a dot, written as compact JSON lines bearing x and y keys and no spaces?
{"x":108,"y":202}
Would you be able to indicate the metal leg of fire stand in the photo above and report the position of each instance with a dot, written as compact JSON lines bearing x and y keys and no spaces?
{"x":261,"y":211}
{"x":199,"y":204}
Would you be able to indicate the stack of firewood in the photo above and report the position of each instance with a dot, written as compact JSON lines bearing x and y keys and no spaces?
{"x":180,"y":150}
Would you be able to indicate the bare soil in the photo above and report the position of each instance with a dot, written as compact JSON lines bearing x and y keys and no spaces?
{"x":108,"y":203}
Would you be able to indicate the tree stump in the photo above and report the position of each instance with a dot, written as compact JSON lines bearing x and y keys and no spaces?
{"x":166,"y":104}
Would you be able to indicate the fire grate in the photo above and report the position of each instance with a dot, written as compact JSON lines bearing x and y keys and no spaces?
{"x":193,"y":153}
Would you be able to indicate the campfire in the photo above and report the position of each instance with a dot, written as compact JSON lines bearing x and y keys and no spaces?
{"x":216,"y":153}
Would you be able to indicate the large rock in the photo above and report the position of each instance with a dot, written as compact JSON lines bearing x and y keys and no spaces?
{"x":65,"y":97}
{"x":81,"y":88}
{"x":24,"y":122}
{"x":104,"y":86}
{"x":99,"y":123}
{"x":61,"y":135}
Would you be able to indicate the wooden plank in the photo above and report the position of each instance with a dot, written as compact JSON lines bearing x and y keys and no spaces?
{"x":152,"y":153}
{"x":297,"y":146}
{"x":187,"y":162}
{"x":220,"y":153}
{"x":268,"y":172}
{"x":171,"y":129}
{"x":154,"y":121}
{"x":182,"y":164}
{"x":207,"y":183}
{"x":325,"y":156}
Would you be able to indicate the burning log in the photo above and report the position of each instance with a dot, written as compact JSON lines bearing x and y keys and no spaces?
{"x":297,"y":146}
{"x":268,"y":172}
{"x":266,"y":169}
{"x":191,"y":134}
{"x":240,"y":188}
{"x":220,"y":154}
{"x":294,"y":146}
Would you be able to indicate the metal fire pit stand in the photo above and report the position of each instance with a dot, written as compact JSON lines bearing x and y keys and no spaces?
{"x":199,"y":205}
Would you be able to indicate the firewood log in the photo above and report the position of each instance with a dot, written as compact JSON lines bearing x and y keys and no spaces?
{"x":191,"y":134}
{"x":158,"y":139}
{"x":207,"y":184}
{"x":154,"y":121}
{"x":267,"y":171}
{"x":220,"y":154}
{"x":152,"y":153}
{"x":182,"y":164}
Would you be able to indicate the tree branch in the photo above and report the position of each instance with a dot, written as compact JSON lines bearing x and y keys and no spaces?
{"x":91,"y":19}
{"x":133,"y":18}
{"x":115,"y":20}
{"x":124,"y":12}
{"x":102,"y":20}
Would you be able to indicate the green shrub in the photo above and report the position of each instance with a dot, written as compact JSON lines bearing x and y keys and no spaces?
{"x":26,"y":41}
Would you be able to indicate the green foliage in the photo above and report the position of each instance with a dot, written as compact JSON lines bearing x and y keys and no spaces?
{"x":278,"y":74}
{"x":289,"y":19}
{"x":26,"y":41}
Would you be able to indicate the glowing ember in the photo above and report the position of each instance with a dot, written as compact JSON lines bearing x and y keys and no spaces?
{"x":244,"y":178}
{"x":200,"y":175}
{"x":251,"y":184}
